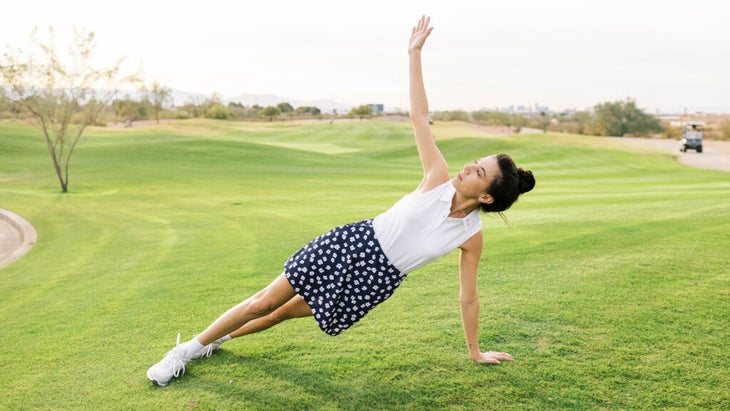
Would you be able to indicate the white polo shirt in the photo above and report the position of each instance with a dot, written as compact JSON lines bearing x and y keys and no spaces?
{"x":417,"y":229}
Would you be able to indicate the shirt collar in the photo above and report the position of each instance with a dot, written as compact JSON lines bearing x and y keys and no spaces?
{"x":447,"y":196}
{"x":448,"y":193}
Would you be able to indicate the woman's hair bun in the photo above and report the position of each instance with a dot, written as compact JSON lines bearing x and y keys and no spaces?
{"x":527,"y":180}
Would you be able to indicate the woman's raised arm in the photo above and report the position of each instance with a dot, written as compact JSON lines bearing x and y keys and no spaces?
{"x":435,"y":170}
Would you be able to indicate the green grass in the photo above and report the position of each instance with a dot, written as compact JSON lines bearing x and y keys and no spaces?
{"x":610,"y":286}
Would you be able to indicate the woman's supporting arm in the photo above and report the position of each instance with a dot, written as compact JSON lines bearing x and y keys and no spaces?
{"x":471,"y":251}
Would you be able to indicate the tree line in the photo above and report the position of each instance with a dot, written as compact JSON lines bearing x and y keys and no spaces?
{"x":130,"y":109}
{"x":618,"y":118}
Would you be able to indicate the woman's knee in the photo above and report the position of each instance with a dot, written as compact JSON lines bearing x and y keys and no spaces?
{"x":261,"y":306}
{"x":294,"y":308}
{"x":272,"y":297}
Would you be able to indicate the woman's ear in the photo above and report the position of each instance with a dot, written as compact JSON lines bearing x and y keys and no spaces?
{"x":485,"y":198}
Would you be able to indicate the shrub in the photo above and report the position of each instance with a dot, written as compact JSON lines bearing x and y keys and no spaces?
{"x":218,"y":111}
{"x":725,"y":130}
{"x":673,"y":132}
{"x":455,"y":115}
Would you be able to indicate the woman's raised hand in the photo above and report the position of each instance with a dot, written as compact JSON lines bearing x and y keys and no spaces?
{"x":419,"y":34}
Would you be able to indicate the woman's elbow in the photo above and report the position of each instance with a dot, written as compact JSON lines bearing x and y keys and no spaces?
{"x":467,"y":301}
{"x":418,"y":116}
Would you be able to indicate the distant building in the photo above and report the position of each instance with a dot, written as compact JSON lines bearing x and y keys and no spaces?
{"x":568,"y":112}
{"x":522,"y":109}
{"x":377,"y":108}
{"x":541,"y":109}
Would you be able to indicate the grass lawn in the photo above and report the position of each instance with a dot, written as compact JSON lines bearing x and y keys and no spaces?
{"x":610,"y":285}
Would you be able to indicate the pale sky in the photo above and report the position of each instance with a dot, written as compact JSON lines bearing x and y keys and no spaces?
{"x":669,"y":55}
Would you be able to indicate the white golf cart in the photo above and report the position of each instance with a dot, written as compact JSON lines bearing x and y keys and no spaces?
{"x":691,"y":138}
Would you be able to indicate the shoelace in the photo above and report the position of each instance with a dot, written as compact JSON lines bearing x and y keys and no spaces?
{"x":176,"y":359}
{"x":209,"y":350}
{"x":212,"y":347}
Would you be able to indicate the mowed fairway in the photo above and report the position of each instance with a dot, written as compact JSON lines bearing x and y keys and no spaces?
{"x":610,"y":286}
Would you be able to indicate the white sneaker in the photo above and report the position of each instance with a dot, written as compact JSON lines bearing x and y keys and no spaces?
{"x":172,"y":366}
{"x":207,"y":350}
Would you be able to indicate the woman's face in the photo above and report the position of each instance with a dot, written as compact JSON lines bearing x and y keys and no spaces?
{"x":474,"y":179}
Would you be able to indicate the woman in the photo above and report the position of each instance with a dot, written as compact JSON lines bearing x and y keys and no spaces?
{"x":343,"y":274}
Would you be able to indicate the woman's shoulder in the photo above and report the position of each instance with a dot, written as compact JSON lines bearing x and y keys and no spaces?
{"x":439,"y":187}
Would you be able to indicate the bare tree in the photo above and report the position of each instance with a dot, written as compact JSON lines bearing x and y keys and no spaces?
{"x":64,"y":94}
{"x":159,"y":96}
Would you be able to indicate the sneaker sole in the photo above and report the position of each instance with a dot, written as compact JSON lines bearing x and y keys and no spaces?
{"x":155,"y":382}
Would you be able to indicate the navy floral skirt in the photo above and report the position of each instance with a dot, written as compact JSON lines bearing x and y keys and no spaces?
{"x":342,"y":275}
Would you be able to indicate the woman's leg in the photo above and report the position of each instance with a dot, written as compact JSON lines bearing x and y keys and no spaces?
{"x":294,"y":308}
{"x":261,"y":304}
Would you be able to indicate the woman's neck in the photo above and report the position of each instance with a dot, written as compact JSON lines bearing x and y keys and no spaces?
{"x":462,"y":207}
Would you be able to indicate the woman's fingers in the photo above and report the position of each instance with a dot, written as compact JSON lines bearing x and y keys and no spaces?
{"x":422,"y":24}
{"x":493,"y":357}
{"x":502,"y":356}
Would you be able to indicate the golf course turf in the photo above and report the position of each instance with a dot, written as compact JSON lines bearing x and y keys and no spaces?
{"x":608,"y":283}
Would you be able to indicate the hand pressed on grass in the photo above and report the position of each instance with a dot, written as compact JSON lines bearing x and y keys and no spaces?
{"x":492,"y":357}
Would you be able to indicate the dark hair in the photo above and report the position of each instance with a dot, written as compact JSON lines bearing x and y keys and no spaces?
{"x":508,"y":185}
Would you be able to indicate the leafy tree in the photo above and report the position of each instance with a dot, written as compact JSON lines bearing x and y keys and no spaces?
{"x":238,"y":110}
{"x":285,"y":107}
{"x":218,"y":111}
{"x":158,"y":96}
{"x":314,"y":111}
{"x":194,"y":106}
{"x":624,"y":117}
{"x":270,"y":112}
{"x":130,"y":110}
{"x":361,"y":111}
{"x":63,"y":98}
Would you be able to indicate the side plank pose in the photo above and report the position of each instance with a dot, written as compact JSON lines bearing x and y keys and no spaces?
{"x":343,"y":274}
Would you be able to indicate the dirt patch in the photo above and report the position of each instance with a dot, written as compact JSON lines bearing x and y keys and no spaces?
{"x":715,"y":155}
